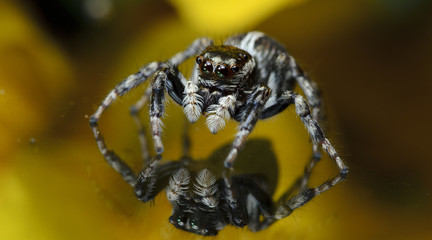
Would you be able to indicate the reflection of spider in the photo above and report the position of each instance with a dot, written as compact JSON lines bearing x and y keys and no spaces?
{"x":251,"y":77}
{"x":204,"y":201}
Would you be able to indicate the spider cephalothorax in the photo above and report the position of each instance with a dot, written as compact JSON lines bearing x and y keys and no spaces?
{"x":221,"y":81}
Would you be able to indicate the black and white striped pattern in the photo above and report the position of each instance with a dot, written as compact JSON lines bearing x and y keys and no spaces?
{"x":259,"y":84}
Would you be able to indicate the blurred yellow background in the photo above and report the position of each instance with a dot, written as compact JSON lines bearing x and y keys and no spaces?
{"x":58,"y":60}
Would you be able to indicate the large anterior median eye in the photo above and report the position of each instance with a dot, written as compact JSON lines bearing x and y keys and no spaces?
{"x":206,"y":67}
{"x":222,"y":71}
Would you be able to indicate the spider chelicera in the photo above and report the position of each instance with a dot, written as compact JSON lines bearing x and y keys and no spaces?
{"x":250,"y":77}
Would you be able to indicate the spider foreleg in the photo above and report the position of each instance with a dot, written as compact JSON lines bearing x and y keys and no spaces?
{"x":250,"y":116}
{"x":146,"y":182}
{"x":157,"y":108}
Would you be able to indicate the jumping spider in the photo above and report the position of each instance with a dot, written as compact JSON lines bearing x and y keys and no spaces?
{"x":204,"y":201}
{"x":248,"y":78}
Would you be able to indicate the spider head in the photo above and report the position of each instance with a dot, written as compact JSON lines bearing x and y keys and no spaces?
{"x":191,"y":212}
{"x":224,"y":66}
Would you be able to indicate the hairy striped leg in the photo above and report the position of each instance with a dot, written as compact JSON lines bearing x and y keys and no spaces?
{"x":297,"y":195}
{"x":315,"y":131}
{"x":147,"y":179}
{"x":175,"y":83}
{"x":305,"y":194}
{"x":309,"y":87}
{"x":288,"y":202}
{"x":157,"y":108}
{"x":318,"y":138}
{"x":122,"y":88}
{"x":251,"y":114}
{"x":254,"y":105}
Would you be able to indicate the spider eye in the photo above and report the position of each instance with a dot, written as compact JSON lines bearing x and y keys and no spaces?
{"x":222,"y":71}
{"x":193,"y":224}
{"x":181,"y":220}
{"x":235,"y":68}
{"x":242,"y":56}
{"x":199,"y":60}
{"x":207,"y":67}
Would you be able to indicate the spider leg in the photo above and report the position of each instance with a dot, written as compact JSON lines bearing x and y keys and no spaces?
{"x":249,"y":117}
{"x":145,"y":187}
{"x":171,"y":80}
{"x":318,"y":138}
{"x":285,"y":205}
{"x":309,"y":87}
{"x":134,"y":112}
{"x":177,"y":82}
{"x":260,"y":218}
{"x":303,"y":181}
{"x":260,"y":208}
{"x":164,"y":80}
{"x":236,"y":213}
{"x":157,"y":108}
{"x":288,"y":202}
{"x":121,"y":167}
{"x":315,"y":131}
{"x":122,"y":88}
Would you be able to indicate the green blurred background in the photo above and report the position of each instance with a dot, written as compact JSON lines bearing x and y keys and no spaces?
{"x":58,"y":60}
